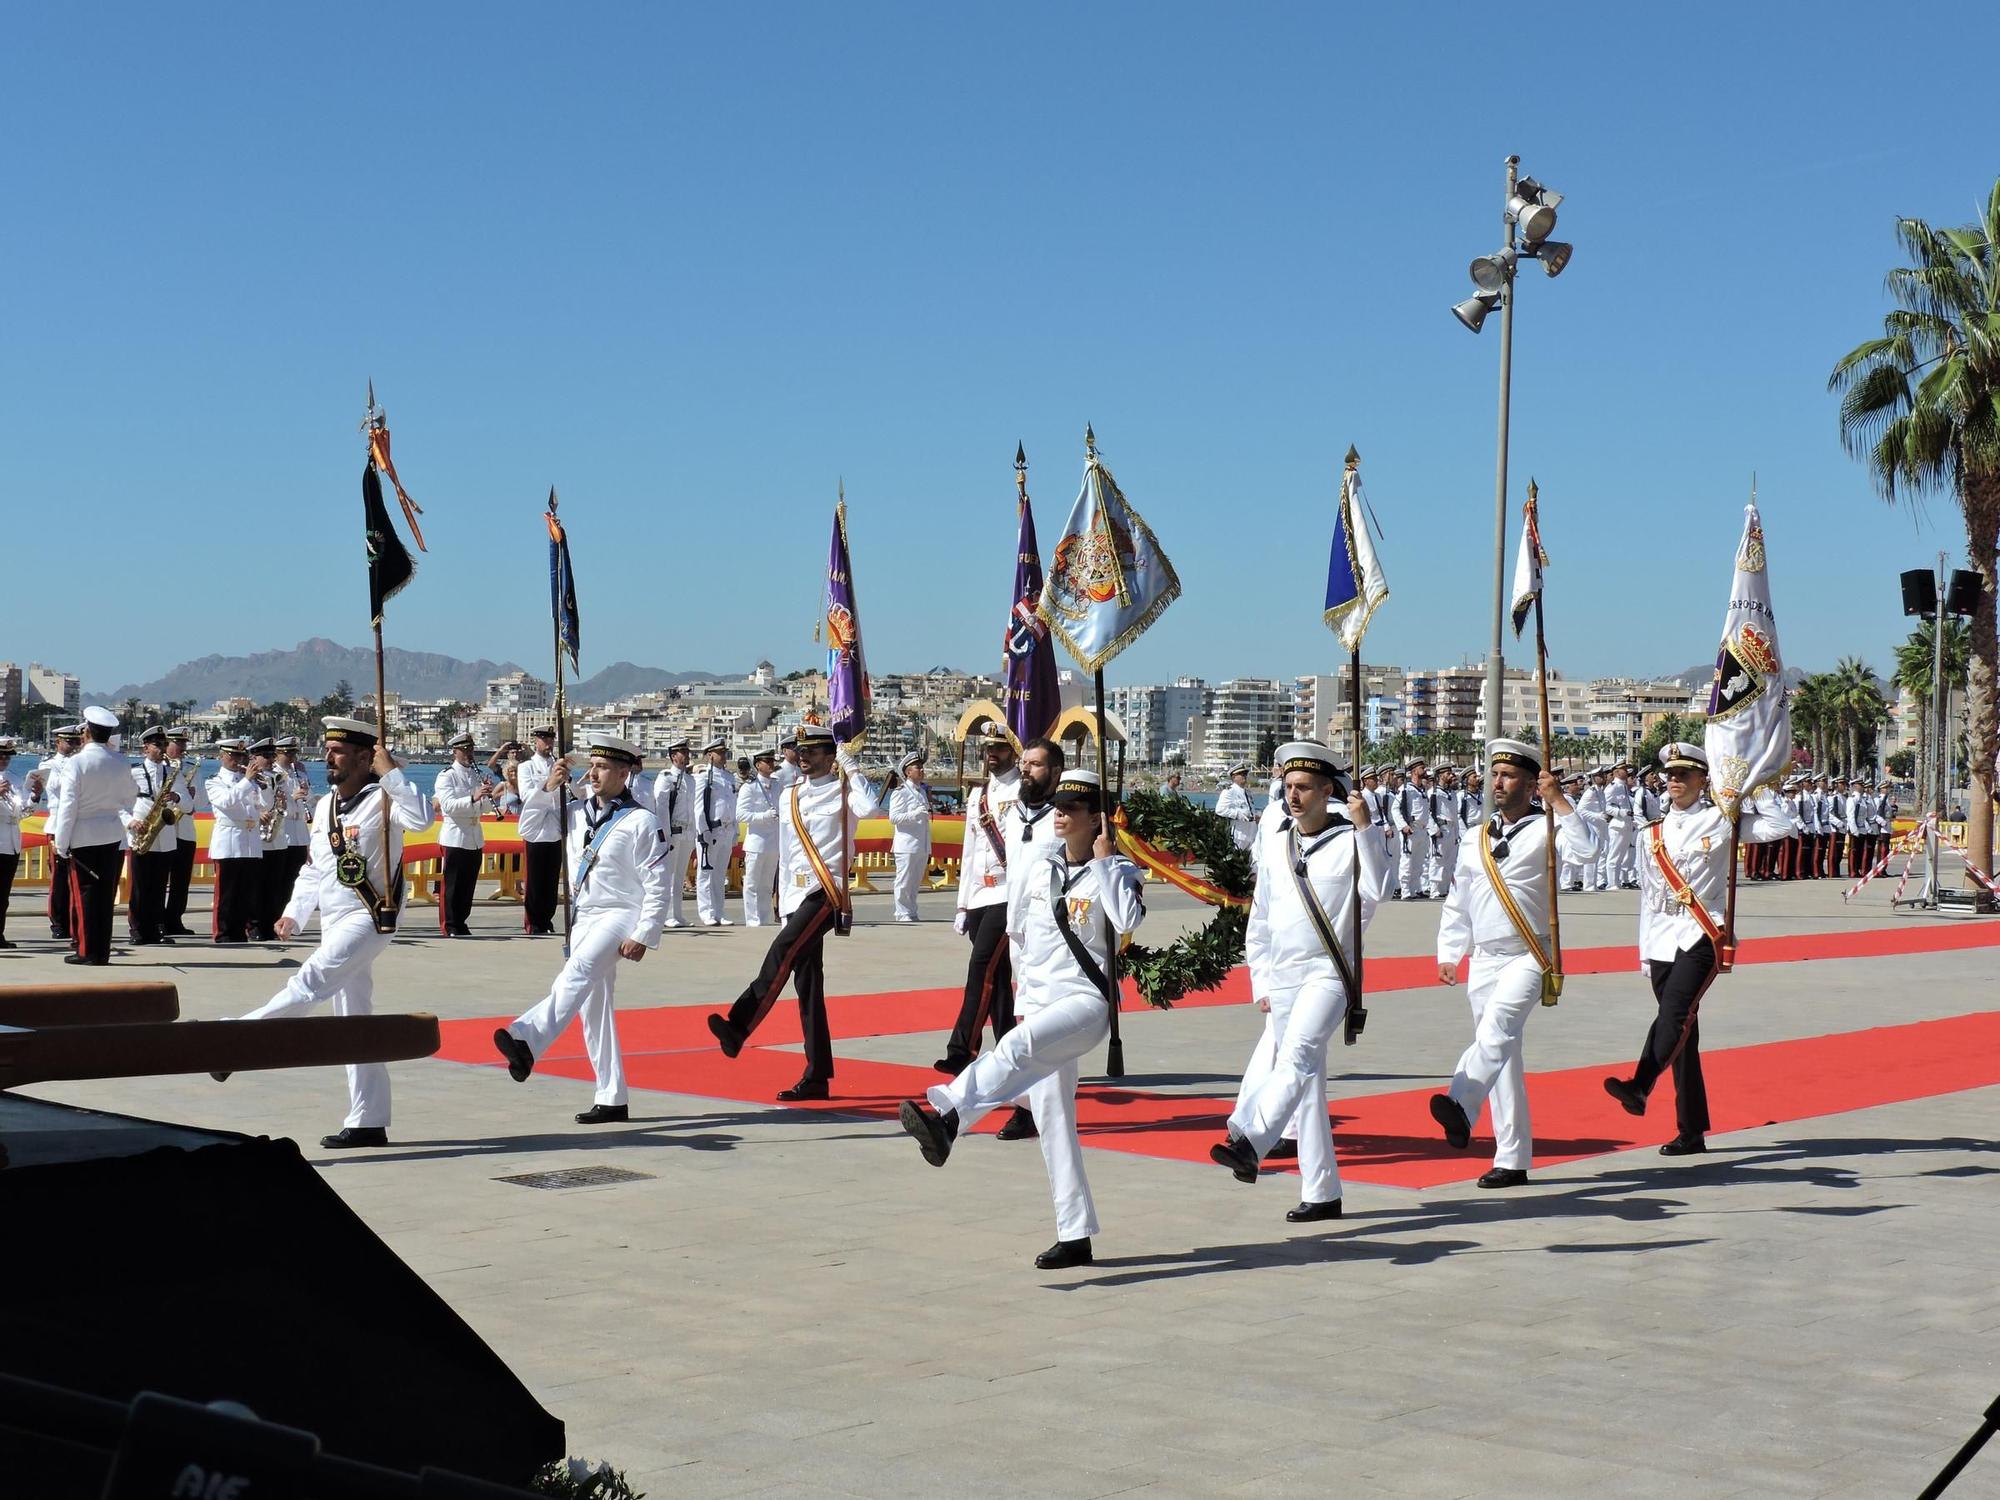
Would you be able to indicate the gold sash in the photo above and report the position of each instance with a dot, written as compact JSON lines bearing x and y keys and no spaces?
{"x":1552,"y":980}
{"x":836,"y":890}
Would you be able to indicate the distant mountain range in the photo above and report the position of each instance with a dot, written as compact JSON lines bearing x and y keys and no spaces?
{"x":312,"y":668}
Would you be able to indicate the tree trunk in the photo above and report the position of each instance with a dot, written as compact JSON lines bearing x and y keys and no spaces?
{"x":1980,"y":496}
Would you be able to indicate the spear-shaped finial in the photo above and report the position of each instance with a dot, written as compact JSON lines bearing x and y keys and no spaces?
{"x":1532,"y":491}
{"x":1353,"y":457}
{"x":552,"y":499}
{"x":1021,"y":471}
{"x":1020,"y":456}
{"x":1089,"y":442}
{"x":371,"y":418}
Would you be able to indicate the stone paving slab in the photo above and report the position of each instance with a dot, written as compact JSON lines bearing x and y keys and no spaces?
{"x":794,"y":1304}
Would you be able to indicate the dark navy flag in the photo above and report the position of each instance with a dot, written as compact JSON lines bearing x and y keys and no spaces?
{"x":1029,"y":670}
{"x":562,"y":588}
{"x":390,"y":565}
{"x":846,"y":671}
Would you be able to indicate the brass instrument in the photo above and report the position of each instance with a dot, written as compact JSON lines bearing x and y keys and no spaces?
{"x":281,"y":778}
{"x":163,"y":812}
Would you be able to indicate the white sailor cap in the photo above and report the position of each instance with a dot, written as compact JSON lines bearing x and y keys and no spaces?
{"x":152,"y":734}
{"x":100,"y":718}
{"x":179,"y":732}
{"x":1311,"y":756}
{"x":6,"y":744}
{"x":234,"y":744}
{"x":1412,"y":764}
{"x":262,"y":747}
{"x":914,"y":758}
{"x":460,"y":741}
{"x":1514,"y":753}
{"x":543,"y":731}
{"x":815,"y":734}
{"x":286,"y":742}
{"x":679,"y":745}
{"x":68,"y":731}
{"x":1678,"y":755}
{"x":1077,"y":786}
{"x":764,"y":754}
{"x":718,"y":743}
{"x":1239,"y":770}
{"x":341,"y":730}
{"x":612,"y":747}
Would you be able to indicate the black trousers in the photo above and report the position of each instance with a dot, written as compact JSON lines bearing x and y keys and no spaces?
{"x":1674,"y":1039}
{"x":146,"y":906}
{"x":278,"y":870}
{"x":461,"y":878}
{"x":60,"y":897}
{"x":797,"y":953}
{"x":93,"y":881}
{"x":8,"y":864}
{"x":236,"y":886}
{"x":541,"y":862}
{"x":181,"y":875}
{"x":989,"y":984}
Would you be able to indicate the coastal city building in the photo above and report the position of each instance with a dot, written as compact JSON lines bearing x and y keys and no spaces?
{"x":45,"y":687}
{"x":10,"y":698}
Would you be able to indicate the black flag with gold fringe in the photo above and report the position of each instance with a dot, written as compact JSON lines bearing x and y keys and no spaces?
{"x":390,"y":565}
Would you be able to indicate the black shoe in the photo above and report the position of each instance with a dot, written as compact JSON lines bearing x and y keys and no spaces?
{"x":1235,"y":1154}
{"x":730,"y":1039}
{"x":1685,"y":1145}
{"x":805,"y":1088}
{"x":1503,"y":1177}
{"x":165,"y":941}
{"x":4,"y":943}
{"x":75,"y":958}
{"x":1448,"y":1113}
{"x":356,"y":1135}
{"x":1063,"y":1254}
{"x":932,"y":1131}
{"x":604,"y":1114}
{"x":179,"y":931}
{"x":1627,"y":1094}
{"x":1020,"y":1126}
{"x":1284,"y":1151}
{"x":1307,"y":1213}
{"x":223,"y":937}
{"x":520,"y":1059}
{"x":950,"y":1068}
{"x":220,"y":1077}
{"x":461,"y":931}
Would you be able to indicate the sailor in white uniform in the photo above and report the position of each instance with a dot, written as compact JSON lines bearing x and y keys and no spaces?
{"x":153,"y":779}
{"x":757,"y":806}
{"x":1615,"y":866}
{"x":461,"y":795}
{"x":14,"y":803}
{"x":1233,"y":805}
{"x":1068,"y":905}
{"x":193,"y":789}
{"x":910,"y":834}
{"x":673,"y":805}
{"x":353,"y":878}
{"x":1300,"y":949}
{"x":1498,"y":912}
{"x":240,"y":793}
{"x":714,"y":833}
{"x":45,"y":793}
{"x":617,"y":854}
{"x":89,"y":830}
{"x":1410,"y":811}
{"x":541,"y":840}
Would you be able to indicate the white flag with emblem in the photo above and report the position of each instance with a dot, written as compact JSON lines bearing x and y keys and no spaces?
{"x":1749,"y":733}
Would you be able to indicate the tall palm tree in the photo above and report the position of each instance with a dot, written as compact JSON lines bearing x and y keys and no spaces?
{"x":1813,"y":716}
{"x":1915,"y":659}
{"x":1920,"y":406}
{"x":1858,"y":708}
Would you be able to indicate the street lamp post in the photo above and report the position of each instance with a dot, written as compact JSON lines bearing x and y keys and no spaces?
{"x":1528,"y":217}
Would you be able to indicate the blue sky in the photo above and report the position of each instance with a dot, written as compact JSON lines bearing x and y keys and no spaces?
{"x":695,"y":264}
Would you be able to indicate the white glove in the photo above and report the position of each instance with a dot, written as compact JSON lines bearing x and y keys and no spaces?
{"x":958,"y":922}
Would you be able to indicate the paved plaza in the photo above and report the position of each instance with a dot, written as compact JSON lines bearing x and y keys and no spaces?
{"x":790,"y":1302}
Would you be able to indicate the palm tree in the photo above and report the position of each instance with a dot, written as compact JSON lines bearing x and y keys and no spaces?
{"x":1914,"y":661}
{"x":1920,"y":406}
{"x":128,"y":711}
{"x":1813,"y":716}
{"x":1859,"y":708}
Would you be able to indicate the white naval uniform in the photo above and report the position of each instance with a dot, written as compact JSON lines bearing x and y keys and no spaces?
{"x":342,"y":968}
{"x":1233,"y":804}
{"x":1295,"y":980}
{"x":910,"y":843}
{"x":453,"y":793}
{"x":673,"y":805}
{"x":1060,"y":1014}
{"x":96,"y":800}
{"x":1504,"y":983}
{"x":715,"y":840}
{"x":1447,"y":809}
{"x":757,"y":806}
{"x":982,"y":874}
{"x":1615,"y":865}
{"x":149,"y":779}
{"x":819,"y":810}
{"x":620,"y":894}
{"x":1697,"y":844}
{"x":239,"y":803}
{"x":14,"y":805}
{"x":1385,"y":828}
{"x":1410,"y":812}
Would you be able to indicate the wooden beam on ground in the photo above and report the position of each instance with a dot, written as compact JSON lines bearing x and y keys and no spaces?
{"x":36,"y":1005}
{"x":147,"y":1050}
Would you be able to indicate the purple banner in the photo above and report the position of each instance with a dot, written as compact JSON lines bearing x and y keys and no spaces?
{"x":1029,"y":670}
{"x":846,"y":671}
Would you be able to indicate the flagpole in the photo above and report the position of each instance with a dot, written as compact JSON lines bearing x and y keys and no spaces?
{"x":1114,"y":1061}
{"x":562,"y":759}
{"x":381,"y":675}
{"x":1357,"y":1011}
{"x":1552,"y":981}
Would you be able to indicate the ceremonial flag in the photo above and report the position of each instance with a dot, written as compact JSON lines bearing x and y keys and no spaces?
{"x":1108,"y":579}
{"x":1749,"y":733}
{"x":376,"y":424}
{"x":846,"y":671}
{"x":1029,"y":669}
{"x":1528,"y":566}
{"x":562,"y":588}
{"x":1355,"y":587}
{"x":390,"y":565}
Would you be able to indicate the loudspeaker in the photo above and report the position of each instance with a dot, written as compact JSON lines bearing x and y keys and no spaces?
{"x":1963,"y":596}
{"x":1920,"y":592}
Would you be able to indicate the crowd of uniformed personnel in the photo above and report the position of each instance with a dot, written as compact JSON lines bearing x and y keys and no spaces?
{"x":1043,"y":899}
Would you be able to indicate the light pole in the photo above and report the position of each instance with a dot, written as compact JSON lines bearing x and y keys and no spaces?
{"x":1528,"y":218}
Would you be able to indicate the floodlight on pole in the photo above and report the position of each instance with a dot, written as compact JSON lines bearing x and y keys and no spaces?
{"x":1491,"y":272}
{"x":1473,"y":310}
{"x":1554,"y":255}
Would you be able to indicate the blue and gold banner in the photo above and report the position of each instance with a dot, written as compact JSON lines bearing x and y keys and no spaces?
{"x":1108,"y":579}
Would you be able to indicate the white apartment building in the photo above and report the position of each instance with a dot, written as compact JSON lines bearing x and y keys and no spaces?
{"x":46,"y":687}
{"x":1322,"y":708}
{"x":1156,"y":715}
{"x":1624,"y":710}
{"x":1520,"y":707}
{"x":516,"y":693}
{"x":1242,"y":714}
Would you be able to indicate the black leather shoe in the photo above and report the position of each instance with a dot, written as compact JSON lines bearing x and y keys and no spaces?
{"x":1020,"y":1126}
{"x":1284,"y":1151}
{"x":1235,"y":1154}
{"x":75,"y":958}
{"x":520,"y":1060}
{"x":461,"y":931}
{"x":604,"y":1114}
{"x":4,"y":943}
{"x":220,"y":1077}
{"x":1448,"y":1113}
{"x":356,"y":1135}
{"x":804,"y":1089}
{"x":1685,"y":1145}
{"x":1627,"y":1094}
{"x":1503,"y":1177}
{"x":727,"y":1036}
{"x":179,"y":931}
{"x":1307,"y":1213}
{"x":1064,"y":1254}
{"x":932,"y":1132}
{"x":950,"y":1068}
{"x":166,"y":941}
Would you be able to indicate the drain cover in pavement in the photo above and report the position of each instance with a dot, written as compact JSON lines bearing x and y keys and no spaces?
{"x":576,"y":1177}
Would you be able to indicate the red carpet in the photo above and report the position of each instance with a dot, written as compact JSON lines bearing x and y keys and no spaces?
{"x":1382,"y":1138}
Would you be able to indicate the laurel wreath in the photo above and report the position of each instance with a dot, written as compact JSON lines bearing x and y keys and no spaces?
{"x":1201,"y":959}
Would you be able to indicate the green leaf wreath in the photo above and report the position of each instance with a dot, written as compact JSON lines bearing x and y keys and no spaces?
{"x":1196,"y":960}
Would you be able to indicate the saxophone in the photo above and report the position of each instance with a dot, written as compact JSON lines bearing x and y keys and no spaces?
{"x":281,"y":778}
{"x":162,"y":811}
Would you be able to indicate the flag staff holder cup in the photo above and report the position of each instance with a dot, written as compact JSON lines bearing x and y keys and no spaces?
{"x":1552,"y":982}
